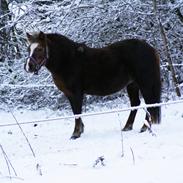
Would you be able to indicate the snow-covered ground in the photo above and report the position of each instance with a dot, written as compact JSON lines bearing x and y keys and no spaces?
{"x":146,"y":158}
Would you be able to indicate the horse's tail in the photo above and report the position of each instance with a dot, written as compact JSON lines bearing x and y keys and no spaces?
{"x":156,"y":111}
{"x":156,"y":92}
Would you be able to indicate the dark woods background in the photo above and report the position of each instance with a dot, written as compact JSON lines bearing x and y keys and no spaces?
{"x":96,"y":23}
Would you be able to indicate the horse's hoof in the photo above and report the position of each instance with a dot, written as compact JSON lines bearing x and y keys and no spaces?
{"x":127,"y":128}
{"x":143,"y":129}
{"x":82,"y":128}
{"x":75,"y":136}
{"x":77,"y":132}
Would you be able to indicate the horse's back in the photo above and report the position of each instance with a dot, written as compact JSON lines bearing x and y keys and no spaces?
{"x":109,"y":69}
{"x":140,"y":58}
{"x":132,"y":51}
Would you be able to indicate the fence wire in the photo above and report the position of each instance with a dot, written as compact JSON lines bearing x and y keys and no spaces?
{"x":144,"y":106}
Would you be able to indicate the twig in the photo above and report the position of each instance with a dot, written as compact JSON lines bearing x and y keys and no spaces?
{"x":23,"y":134}
{"x":12,"y":177}
{"x":122,"y":142}
{"x":132,"y":155}
{"x":99,"y":160}
{"x":38,"y":167}
{"x":70,"y":164}
{"x":8,"y":162}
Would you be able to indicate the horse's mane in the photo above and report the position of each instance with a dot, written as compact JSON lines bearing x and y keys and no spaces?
{"x":59,"y":38}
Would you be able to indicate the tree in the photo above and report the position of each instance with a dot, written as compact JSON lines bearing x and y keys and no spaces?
{"x":166,"y":48}
{"x":3,"y":30}
{"x":95,"y":23}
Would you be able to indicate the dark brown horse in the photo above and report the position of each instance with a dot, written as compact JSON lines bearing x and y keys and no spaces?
{"x":77,"y":70}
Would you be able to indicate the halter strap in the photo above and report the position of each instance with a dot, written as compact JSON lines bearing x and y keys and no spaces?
{"x":43,"y":62}
{"x":37,"y":65}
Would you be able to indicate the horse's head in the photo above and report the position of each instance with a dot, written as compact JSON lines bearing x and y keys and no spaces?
{"x":38,"y":52}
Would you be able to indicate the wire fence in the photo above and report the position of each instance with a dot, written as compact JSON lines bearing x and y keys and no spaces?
{"x":15,"y":86}
{"x":143,"y":106}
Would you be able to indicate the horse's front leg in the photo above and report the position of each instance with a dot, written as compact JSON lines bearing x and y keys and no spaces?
{"x":78,"y":129}
{"x":76,"y":104}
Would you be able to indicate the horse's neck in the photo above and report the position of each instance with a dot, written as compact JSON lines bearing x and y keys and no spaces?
{"x":59,"y":56}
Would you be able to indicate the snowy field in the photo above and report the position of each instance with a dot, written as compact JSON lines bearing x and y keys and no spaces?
{"x":146,"y":158}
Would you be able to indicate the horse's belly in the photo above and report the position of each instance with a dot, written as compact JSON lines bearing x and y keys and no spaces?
{"x":107,"y":87}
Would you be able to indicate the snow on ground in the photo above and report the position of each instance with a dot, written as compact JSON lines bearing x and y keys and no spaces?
{"x":147,"y":158}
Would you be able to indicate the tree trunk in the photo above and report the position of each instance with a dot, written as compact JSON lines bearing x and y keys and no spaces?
{"x":3,"y":31}
{"x":167,"y":51}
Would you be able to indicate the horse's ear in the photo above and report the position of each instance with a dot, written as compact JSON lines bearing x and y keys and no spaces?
{"x":29,"y":36}
{"x":41,"y":35}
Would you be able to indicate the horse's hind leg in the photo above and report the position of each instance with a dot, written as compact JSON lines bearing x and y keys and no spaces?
{"x":133,"y":93}
{"x":148,"y":119}
{"x":151,"y":95}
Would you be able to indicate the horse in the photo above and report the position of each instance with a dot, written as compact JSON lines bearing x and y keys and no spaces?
{"x":77,"y":70}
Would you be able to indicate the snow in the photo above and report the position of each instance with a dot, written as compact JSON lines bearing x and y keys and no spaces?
{"x":146,"y":158}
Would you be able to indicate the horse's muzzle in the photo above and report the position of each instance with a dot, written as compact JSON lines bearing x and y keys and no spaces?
{"x":31,"y":66}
